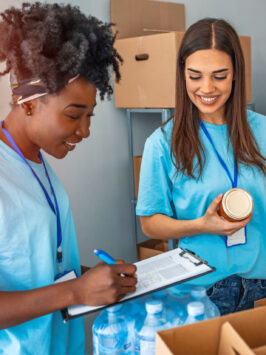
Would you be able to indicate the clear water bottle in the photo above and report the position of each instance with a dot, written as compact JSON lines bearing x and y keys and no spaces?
{"x":195,"y":312}
{"x":147,"y":328}
{"x":110,"y":333}
{"x":133,"y":310}
{"x":170,"y":306}
{"x":180,"y":291}
{"x":176,"y":311}
{"x":199,"y":294}
{"x":179,"y":299}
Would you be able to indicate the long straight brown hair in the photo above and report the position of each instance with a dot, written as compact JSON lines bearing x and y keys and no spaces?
{"x":185,"y":143}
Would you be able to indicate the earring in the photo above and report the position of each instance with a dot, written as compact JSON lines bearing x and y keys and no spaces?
{"x":28,"y":113}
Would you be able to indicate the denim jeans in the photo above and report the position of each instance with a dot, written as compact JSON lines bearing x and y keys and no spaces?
{"x":235,"y":294}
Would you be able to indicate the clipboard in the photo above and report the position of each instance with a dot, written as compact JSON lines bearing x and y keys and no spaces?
{"x":154,"y":274}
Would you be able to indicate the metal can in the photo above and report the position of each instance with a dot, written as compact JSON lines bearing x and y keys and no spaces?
{"x":236,"y":205}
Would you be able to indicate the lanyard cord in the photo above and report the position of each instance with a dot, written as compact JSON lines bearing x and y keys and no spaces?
{"x":55,"y":208}
{"x":234,"y":182}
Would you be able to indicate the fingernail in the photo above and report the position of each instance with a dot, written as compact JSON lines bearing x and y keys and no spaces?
{"x":220,"y":195}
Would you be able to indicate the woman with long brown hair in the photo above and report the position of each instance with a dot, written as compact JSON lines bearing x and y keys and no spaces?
{"x":210,"y":146}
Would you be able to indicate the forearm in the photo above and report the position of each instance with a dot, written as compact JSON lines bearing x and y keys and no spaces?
{"x":19,"y":307}
{"x":160,"y":226}
{"x":100,"y":285}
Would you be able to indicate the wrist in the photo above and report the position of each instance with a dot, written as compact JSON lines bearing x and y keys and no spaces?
{"x":74,"y":292}
{"x":188,"y":228}
{"x":200,"y":225}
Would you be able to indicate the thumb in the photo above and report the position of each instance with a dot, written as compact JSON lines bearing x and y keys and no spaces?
{"x":215,"y":203}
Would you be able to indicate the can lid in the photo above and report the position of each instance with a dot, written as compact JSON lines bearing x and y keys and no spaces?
{"x":237,"y":203}
{"x":198,"y":292}
{"x":195,"y":308}
{"x":154,"y":306}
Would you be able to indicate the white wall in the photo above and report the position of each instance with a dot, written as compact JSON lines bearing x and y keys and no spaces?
{"x":96,"y":174}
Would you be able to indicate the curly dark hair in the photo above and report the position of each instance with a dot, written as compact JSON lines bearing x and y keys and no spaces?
{"x":54,"y":43}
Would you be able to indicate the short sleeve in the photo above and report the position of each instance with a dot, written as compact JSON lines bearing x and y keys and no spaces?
{"x":155,"y":186}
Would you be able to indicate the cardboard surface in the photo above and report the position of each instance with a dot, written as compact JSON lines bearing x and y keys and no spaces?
{"x":231,"y":342}
{"x":142,"y":17}
{"x":250,"y":326}
{"x":151,"y":248}
{"x":148,"y":83}
{"x":136,"y":170}
{"x":148,"y":74}
{"x":260,"y":303}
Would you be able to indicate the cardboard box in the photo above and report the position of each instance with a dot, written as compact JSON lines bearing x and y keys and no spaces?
{"x":260,"y":303}
{"x":136,"y":170}
{"x":204,"y":338}
{"x":232,"y":343}
{"x":151,"y":248}
{"x":148,"y":74}
{"x":142,"y":17}
{"x":148,"y":83}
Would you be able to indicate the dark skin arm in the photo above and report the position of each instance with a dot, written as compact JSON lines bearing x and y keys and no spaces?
{"x":100,"y":285}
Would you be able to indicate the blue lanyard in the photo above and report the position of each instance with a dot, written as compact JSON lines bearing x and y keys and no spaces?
{"x":55,"y":208}
{"x":234,"y":182}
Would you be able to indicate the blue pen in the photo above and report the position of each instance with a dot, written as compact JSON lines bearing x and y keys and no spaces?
{"x":104,"y":256}
{"x":108,"y":259}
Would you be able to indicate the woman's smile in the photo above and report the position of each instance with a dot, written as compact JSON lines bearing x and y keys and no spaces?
{"x":208,"y":100}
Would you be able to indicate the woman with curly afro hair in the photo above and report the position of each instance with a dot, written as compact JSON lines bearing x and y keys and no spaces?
{"x":57,"y":59}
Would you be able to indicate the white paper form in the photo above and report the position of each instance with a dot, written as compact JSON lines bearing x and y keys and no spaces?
{"x":160,"y":271}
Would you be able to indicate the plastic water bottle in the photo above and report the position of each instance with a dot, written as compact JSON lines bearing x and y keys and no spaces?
{"x":179,"y":299}
{"x":146,"y":330}
{"x":180,"y":291}
{"x":133,"y":310}
{"x":199,"y":294}
{"x":176,"y":311}
{"x":110,"y":333}
{"x":195,"y":312}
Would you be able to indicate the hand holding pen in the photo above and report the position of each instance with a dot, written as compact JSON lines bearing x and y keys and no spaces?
{"x":103,"y":283}
{"x":107,"y":258}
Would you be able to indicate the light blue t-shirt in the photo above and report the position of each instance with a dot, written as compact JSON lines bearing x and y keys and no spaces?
{"x":28,"y":243}
{"x":162,"y":190}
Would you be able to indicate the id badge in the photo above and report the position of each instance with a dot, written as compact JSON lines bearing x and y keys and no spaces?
{"x":238,"y":238}
{"x":65,"y":276}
